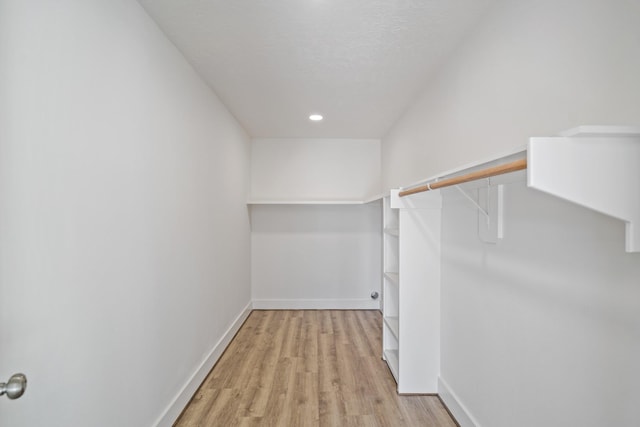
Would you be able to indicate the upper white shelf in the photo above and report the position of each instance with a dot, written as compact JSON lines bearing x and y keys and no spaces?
{"x":597,"y":167}
{"x":305,"y":202}
{"x":315,"y":202}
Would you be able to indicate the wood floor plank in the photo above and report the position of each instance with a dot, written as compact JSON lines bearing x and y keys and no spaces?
{"x":308,"y":368}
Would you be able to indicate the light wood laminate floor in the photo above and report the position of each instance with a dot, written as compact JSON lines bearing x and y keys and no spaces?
{"x":308,"y":368}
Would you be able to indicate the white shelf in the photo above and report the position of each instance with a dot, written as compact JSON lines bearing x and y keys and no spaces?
{"x":369,"y":199}
{"x":392,"y":231}
{"x":411,"y":290}
{"x":390,"y":290}
{"x":394,"y":277}
{"x":602,"y":131}
{"x":391,"y":356}
{"x":597,"y":167}
{"x":394,"y":325}
{"x":373,"y":198}
{"x":305,"y":202}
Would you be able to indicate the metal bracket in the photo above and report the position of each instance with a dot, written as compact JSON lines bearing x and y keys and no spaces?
{"x":491,"y":217}
{"x":476,"y":204}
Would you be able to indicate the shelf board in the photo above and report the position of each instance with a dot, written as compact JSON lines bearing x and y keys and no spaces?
{"x":374,"y":198}
{"x":391,"y":356}
{"x":564,"y":167}
{"x":394,"y":277}
{"x":305,"y":202}
{"x":601,"y":131}
{"x":394,"y":325}
{"x":258,"y":201}
{"x":392,"y":231}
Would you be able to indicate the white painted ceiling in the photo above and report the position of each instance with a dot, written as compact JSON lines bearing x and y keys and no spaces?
{"x":360,"y":63}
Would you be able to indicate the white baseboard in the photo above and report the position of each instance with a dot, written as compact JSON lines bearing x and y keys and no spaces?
{"x":316,"y":304}
{"x":455,"y":406}
{"x":173,"y":411}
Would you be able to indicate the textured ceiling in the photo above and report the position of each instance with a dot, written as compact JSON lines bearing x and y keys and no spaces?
{"x":360,"y":63}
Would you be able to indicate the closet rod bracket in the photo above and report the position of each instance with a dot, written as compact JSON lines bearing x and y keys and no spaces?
{"x":490,"y":207}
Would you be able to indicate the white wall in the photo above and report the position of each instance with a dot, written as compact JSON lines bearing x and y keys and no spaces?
{"x":316,"y":256}
{"x":125,"y":235}
{"x":315,"y":169}
{"x":541,"y":329}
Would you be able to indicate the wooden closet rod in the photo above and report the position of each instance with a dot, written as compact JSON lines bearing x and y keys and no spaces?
{"x":484,"y":173}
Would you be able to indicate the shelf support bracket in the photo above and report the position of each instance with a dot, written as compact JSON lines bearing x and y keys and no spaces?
{"x":473,"y":202}
{"x":491,"y":219}
{"x":597,"y":167}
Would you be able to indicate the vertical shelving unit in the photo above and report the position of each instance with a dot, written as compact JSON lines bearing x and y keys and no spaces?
{"x":390,"y":286}
{"x":411,"y":291}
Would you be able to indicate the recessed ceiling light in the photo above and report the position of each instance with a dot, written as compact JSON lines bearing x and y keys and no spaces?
{"x":315,"y":117}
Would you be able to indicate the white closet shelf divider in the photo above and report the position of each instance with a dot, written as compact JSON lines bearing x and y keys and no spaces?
{"x":304,"y":202}
{"x":411,"y":335}
{"x":392,"y":231}
{"x":391,"y":357}
{"x":394,"y":277}
{"x":394,"y":325}
{"x":597,"y":167}
{"x":310,"y":201}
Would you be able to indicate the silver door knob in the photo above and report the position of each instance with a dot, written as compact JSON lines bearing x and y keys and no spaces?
{"x":15,"y":387}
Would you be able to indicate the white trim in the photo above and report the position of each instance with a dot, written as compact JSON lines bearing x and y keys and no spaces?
{"x":303,"y":202}
{"x":366,"y":200}
{"x":316,"y":304}
{"x":175,"y":408}
{"x":601,"y":131}
{"x":455,"y":406}
{"x":373,"y":198}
